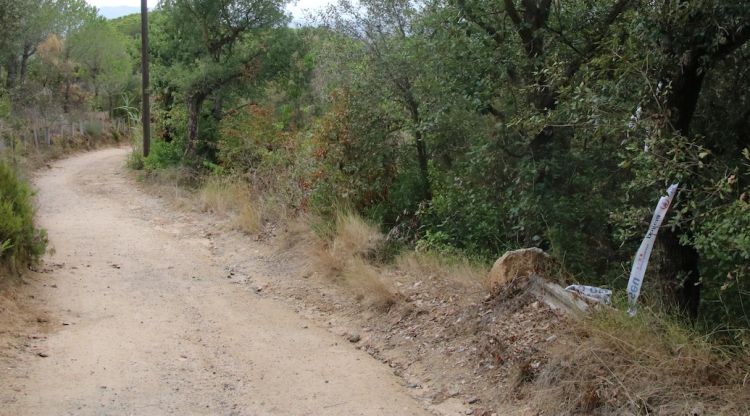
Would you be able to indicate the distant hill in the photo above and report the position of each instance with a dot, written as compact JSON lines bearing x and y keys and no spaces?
{"x":118,"y":11}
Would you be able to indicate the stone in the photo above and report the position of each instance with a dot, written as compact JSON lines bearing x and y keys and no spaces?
{"x":523,"y":262}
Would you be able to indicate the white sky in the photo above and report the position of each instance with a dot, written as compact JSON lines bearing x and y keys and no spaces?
{"x":297,"y":10}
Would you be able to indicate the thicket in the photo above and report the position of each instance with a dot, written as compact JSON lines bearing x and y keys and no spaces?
{"x":472,"y":127}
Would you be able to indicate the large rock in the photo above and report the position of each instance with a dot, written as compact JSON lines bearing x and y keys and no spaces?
{"x":524,"y":262}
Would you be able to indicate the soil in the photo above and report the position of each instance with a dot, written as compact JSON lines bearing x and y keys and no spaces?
{"x":135,"y":313}
{"x":145,"y":308}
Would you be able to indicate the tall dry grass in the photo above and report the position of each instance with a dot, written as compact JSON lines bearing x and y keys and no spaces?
{"x":450,"y":269}
{"x":341,"y":256}
{"x":174,"y":184}
{"x":613,"y":364}
{"x":233,"y":198}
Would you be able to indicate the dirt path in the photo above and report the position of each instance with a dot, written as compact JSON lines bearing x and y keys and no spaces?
{"x":143,"y":320}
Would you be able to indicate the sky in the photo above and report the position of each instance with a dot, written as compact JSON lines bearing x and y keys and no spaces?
{"x":297,"y":10}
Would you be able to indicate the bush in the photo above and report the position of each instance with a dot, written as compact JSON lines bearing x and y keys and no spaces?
{"x":20,"y":242}
{"x":162,"y":155}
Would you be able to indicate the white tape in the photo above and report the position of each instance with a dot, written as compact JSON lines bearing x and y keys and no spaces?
{"x":644,"y":252}
{"x":596,"y":294}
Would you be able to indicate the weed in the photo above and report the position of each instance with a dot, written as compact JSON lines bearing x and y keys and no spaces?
{"x":249,"y":219}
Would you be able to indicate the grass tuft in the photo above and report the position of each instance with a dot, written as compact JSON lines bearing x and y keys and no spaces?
{"x":233,"y":198}
{"x":340,"y":253}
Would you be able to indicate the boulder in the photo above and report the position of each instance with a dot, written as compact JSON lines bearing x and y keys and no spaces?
{"x":523,"y":262}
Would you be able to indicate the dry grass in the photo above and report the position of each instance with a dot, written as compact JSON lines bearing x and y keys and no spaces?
{"x":343,"y":255}
{"x":342,"y":258}
{"x":233,"y":198}
{"x":455,"y":270}
{"x":354,"y":237}
{"x":365,"y":280}
{"x":222,"y":196}
{"x":613,"y":364}
{"x":249,"y":218}
{"x":170,"y":184}
{"x":226,"y":197}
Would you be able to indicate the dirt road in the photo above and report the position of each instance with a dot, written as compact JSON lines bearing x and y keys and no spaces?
{"x":142,"y":319}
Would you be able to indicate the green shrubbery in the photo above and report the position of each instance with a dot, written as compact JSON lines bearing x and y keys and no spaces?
{"x":162,"y":155}
{"x":20,"y":242}
{"x":457,"y":138}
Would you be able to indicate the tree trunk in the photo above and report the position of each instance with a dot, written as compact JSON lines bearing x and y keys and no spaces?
{"x":194,"y":104}
{"x":423,"y":160}
{"x":66,"y":97}
{"x":28,"y":51}
{"x":422,"y":154}
{"x":680,"y":270}
{"x":680,"y":263}
{"x":218,"y":110}
{"x":12,"y":68}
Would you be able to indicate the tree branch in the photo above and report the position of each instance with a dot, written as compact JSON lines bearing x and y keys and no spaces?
{"x":491,"y":31}
{"x":620,"y":7}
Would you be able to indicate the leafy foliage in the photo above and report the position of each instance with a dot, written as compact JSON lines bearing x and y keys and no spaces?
{"x":20,"y":242}
{"x":473,"y":127}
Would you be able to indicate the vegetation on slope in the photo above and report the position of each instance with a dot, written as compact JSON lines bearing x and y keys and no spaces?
{"x":457,"y":131}
{"x":458,"y":127}
{"x":20,"y":242}
{"x":467,"y":128}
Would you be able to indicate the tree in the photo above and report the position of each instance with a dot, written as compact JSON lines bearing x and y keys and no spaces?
{"x":693,"y":40}
{"x":385,"y":34}
{"x":213,"y":44}
{"x":102,"y":54}
{"x":33,"y":22}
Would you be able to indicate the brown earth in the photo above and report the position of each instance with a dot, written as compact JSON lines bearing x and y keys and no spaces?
{"x":144,"y":310}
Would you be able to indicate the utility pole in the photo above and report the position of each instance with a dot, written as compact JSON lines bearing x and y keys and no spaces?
{"x":146,"y":106}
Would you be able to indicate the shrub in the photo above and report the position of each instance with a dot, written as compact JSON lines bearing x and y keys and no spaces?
{"x":162,"y":155}
{"x":20,"y":242}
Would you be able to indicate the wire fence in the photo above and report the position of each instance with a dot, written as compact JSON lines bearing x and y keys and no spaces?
{"x":39,"y":132}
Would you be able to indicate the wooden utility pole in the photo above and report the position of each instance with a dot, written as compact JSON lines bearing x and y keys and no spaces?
{"x":146,"y":106}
